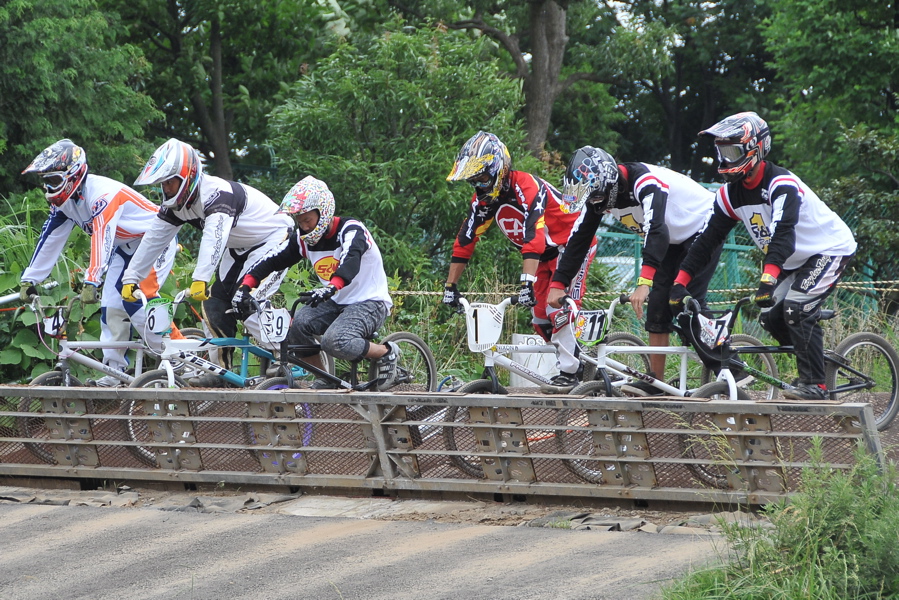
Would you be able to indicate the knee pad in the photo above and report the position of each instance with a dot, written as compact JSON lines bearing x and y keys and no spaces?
{"x":796,"y":313}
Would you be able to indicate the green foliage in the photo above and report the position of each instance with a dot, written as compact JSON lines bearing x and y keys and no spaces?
{"x":381,"y":121}
{"x":834,"y":539}
{"x":63,"y":74}
{"x":837,"y":61}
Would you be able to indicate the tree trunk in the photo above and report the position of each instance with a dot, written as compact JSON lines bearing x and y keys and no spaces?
{"x":213,"y":120}
{"x":541,"y":85}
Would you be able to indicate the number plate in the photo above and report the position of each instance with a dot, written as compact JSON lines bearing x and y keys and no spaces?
{"x":274,"y":324}
{"x":159,"y":315}
{"x":590,"y":327}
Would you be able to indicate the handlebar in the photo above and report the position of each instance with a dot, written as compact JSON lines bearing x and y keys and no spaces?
{"x":8,"y":298}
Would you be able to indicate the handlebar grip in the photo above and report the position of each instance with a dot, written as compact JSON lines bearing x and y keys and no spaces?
{"x":624,"y":298}
{"x":514,"y":300}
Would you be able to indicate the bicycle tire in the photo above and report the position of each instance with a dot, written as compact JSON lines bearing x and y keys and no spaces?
{"x":872,"y":354}
{"x":571,"y":441}
{"x":470,"y":464}
{"x":305,"y":409}
{"x":137,"y":430}
{"x":34,"y":426}
{"x":638,"y":362}
{"x":184,"y":370}
{"x":758,"y":390}
{"x":704,"y":448}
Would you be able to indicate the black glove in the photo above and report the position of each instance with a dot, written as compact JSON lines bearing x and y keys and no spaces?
{"x":243,"y":302}
{"x":451,"y":295}
{"x":27,"y":291}
{"x":318,"y":296}
{"x":526,"y":295}
{"x":764,"y":296}
{"x":676,"y":297}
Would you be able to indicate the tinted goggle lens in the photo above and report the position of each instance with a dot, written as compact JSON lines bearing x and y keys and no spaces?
{"x":730,"y":152}
{"x":482,"y":181}
{"x":53,"y":182}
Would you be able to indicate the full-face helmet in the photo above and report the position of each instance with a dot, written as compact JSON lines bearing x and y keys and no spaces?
{"x":63,"y":166}
{"x":592,"y":177}
{"x":484,"y":162}
{"x":310,"y":194}
{"x":174,"y":159}
{"x":742,"y":141}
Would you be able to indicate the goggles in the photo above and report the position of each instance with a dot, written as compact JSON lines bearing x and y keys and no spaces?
{"x":730,"y":153}
{"x":481,"y":181}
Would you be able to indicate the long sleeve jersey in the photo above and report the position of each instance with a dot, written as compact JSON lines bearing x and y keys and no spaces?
{"x":784,"y":218}
{"x":660,"y":205}
{"x":347,"y":252}
{"x":113,"y":214}
{"x":230,"y":215}
{"x":528,"y":211}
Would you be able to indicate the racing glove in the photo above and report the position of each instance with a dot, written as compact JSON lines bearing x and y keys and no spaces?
{"x":128,"y":291}
{"x":676,"y":297}
{"x":764,"y":296}
{"x":243,"y":302}
{"x":318,"y":296}
{"x":27,"y":291}
{"x":199,"y":290}
{"x":526,"y":295}
{"x":90,"y":294}
{"x":451,"y":295}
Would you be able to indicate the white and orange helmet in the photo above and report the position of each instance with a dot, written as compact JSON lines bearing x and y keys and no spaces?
{"x":742,"y":141}
{"x":174,"y":159}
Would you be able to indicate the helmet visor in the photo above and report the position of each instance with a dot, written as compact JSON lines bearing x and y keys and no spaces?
{"x":481,"y":181}
{"x":730,"y":153}
{"x":53,"y":182}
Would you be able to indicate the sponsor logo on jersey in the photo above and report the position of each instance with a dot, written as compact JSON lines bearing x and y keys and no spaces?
{"x":99,"y":206}
{"x":511,"y":221}
{"x":631,"y":223}
{"x":760,"y":231}
{"x":820,"y":264}
{"x":325,"y":267}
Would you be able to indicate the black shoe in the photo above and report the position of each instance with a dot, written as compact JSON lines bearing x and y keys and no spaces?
{"x":322,"y":384}
{"x":561,"y":383}
{"x":811,"y":392}
{"x":641,"y":388}
{"x":208,"y":381}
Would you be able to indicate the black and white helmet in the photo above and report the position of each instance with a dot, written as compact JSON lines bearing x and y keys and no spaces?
{"x":63,"y":166}
{"x":742,"y":141}
{"x":592,"y":176}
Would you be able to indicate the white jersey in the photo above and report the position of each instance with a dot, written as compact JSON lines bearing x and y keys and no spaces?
{"x":231,"y":215}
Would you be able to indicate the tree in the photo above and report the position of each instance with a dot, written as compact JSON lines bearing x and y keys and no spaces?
{"x":381,"y":120}
{"x":220,"y":66}
{"x":64,"y":74}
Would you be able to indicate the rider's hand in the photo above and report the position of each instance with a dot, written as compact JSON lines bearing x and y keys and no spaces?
{"x":27,"y":291}
{"x":128,"y":291}
{"x":321,"y":294}
{"x":555,"y":297}
{"x":638,"y":298}
{"x":764,"y":297}
{"x":676,"y":297}
{"x":199,"y":290}
{"x":243,"y":302}
{"x":90,"y":294}
{"x":526,"y":296}
{"x":451,"y":295}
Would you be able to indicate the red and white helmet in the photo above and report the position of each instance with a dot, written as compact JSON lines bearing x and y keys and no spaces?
{"x":174,"y":159}
{"x":310,"y":194}
{"x":63,"y":166}
{"x":742,"y":141}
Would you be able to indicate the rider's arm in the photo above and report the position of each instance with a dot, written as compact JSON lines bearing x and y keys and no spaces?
{"x":654,"y":200}
{"x":576,"y":249}
{"x":54,"y":234}
{"x":151,"y":246}
{"x":213,"y":244}
{"x":531,"y":195}
{"x":354,"y":242}
{"x":284,"y":256}
{"x":105,"y":224}
{"x":479,"y":218}
{"x":786,"y":201}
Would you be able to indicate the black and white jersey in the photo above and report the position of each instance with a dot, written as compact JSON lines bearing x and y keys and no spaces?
{"x":784,"y":218}
{"x":347,"y":250}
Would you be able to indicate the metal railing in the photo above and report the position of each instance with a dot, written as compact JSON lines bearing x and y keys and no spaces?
{"x":529,"y":445}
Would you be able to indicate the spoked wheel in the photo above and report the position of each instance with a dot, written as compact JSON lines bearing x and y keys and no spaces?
{"x":638,"y":362}
{"x":35,"y":426}
{"x":866,"y":361}
{"x":416,"y":367}
{"x":186,"y":370}
{"x":710,"y":447}
{"x":756,"y":388}
{"x":303,"y":410}
{"x":575,"y":438}
{"x":470,"y":464}
{"x":138,"y":430}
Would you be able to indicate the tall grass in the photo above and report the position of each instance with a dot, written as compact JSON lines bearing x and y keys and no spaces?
{"x":835,"y":539}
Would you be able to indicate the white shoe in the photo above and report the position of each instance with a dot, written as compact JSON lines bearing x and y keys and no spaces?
{"x":109,"y":381}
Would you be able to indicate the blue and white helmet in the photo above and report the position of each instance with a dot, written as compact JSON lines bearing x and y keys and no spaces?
{"x":592,"y":176}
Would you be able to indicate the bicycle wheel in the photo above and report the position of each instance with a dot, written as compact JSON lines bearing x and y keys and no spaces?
{"x":708,"y":447}
{"x":579,"y":441}
{"x":186,"y":370}
{"x":757,"y":389}
{"x":876,"y":365}
{"x":138,"y":430}
{"x":638,"y":362}
{"x":469,"y":464}
{"x":416,"y":369}
{"x":34,"y":426}
{"x":302,"y":410}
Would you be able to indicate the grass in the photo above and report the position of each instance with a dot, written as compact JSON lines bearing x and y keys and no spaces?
{"x":835,"y":539}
